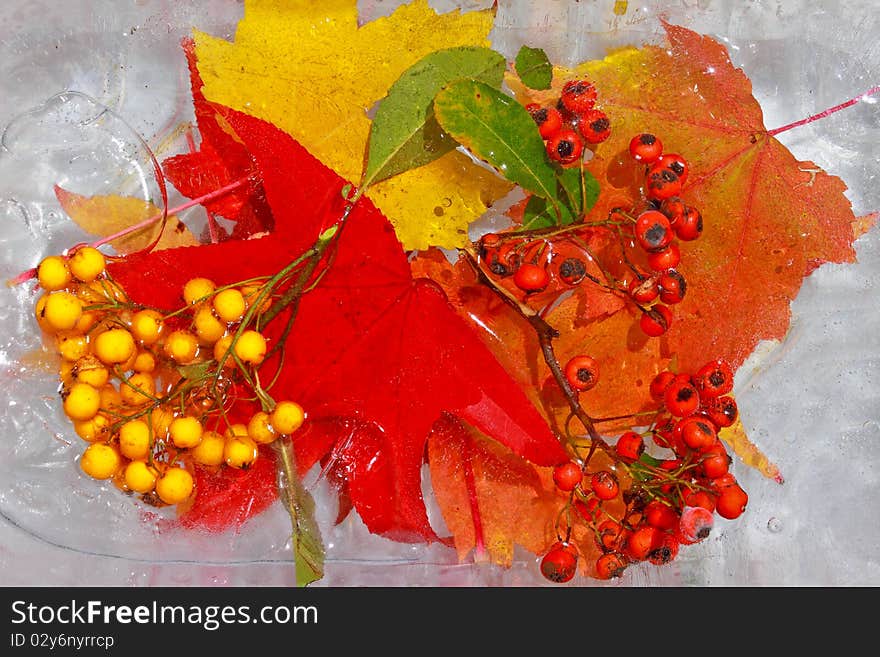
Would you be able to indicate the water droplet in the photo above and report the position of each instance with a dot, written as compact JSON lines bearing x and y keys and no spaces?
{"x":774,"y":525}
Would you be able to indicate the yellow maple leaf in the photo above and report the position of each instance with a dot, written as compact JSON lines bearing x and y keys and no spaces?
{"x":105,"y":215}
{"x":312,"y":71}
{"x":735,"y":436}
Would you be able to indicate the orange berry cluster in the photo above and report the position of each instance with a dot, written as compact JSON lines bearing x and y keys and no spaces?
{"x":150,"y":391}
{"x":573,"y":122}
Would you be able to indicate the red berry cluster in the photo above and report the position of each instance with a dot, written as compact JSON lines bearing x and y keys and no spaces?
{"x":533,"y":264}
{"x":670,"y":502}
{"x":573,"y":122}
{"x":657,"y":230}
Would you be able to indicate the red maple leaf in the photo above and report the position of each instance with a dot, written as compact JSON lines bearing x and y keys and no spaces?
{"x":372,"y":347}
{"x":221,"y":160}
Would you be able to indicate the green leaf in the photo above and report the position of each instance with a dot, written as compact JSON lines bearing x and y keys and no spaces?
{"x":404,"y":134}
{"x":573,"y":192}
{"x":196,"y":371}
{"x":539,"y":214}
{"x":498,"y":130}
{"x":534,"y":68}
{"x":308,"y":551}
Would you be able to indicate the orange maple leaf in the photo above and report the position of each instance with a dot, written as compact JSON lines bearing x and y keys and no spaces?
{"x":769,"y":219}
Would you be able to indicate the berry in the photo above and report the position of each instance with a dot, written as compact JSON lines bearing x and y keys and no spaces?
{"x":681,"y":398}
{"x":731,"y":502}
{"x":666,"y":551}
{"x":146,"y":326}
{"x":239,"y":450}
{"x":722,"y":411}
{"x":53,"y":273}
{"x":287,"y":417}
{"x":72,"y":347}
{"x":572,"y":271}
{"x":604,"y":485}
{"x":611,"y":535}
{"x":630,"y":446}
{"x":594,"y":126}
{"x":567,"y":476}
{"x":714,"y":379}
{"x":690,"y":226}
{"x":660,"y":515}
{"x":206,"y":326}
{"x":81,"y":402}
{"x":140,"y":477}
{"x":582,"y":372}
{"x":251,"y":347}
{"x":652,"y":231}
{"x":656,"y":320}
{"x":197,"y":290}
{"x":565,"y":146}
{"x":560,"y":563}
{"x":715,"y":461}
{"x":62,"y":311}
{"x":674,"y":209}
{"x":644,"y":291}
{"x":115,"y":346}
{"x":700,"y":498}
{"x":94,"y":429}
{"x":695,"y":524}
{"x":578,"y":96}
{"x":659,"y":384}
{"x":675,"y":163}
{"x":662,"y":182}
{"x":138,"y":389}
{"x":222,"y":351}
{"x":210,"y":450}
{"x":672,"y":287}
{"x":531,"y":278}
{"x":698,"y":433}
{"x":548,"y":119}
{"x":174,"y":486}
{"x":181,"y":346}
{"x":645,"y":148}
{"x":185,"y":431}
{"x":229,"y":304}
{"x":86,"y":264}
{"x":667,"y":258}
{"x":100,"y":461}
{"x":610,"y":565}
{"x":642,"y":542}
{"x":134,"y":440}
{"x":260,"y":429}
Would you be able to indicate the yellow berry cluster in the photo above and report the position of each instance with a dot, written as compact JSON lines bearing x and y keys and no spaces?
{"x":124,"y":383}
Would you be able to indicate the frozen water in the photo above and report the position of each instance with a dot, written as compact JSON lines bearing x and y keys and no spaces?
{"x":810,"y":402}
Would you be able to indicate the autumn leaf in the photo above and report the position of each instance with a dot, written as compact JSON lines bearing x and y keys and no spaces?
{"x":221,"y":160}
{"x":316,"y":76}
{"x":367,"y":308}
{"x":106,"y":215}
{"x":769,"y":219}
{"x":751,"y":455}
{"x":493,"y":500}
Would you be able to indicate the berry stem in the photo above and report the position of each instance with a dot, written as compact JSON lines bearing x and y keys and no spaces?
{"x":821,"y":115}
{"x":546,"y":334}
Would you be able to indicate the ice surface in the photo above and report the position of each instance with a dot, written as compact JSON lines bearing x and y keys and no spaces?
{"x":811,"y":402}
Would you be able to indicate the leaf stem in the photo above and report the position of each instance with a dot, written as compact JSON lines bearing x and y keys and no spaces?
{"x":821,"y":115}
